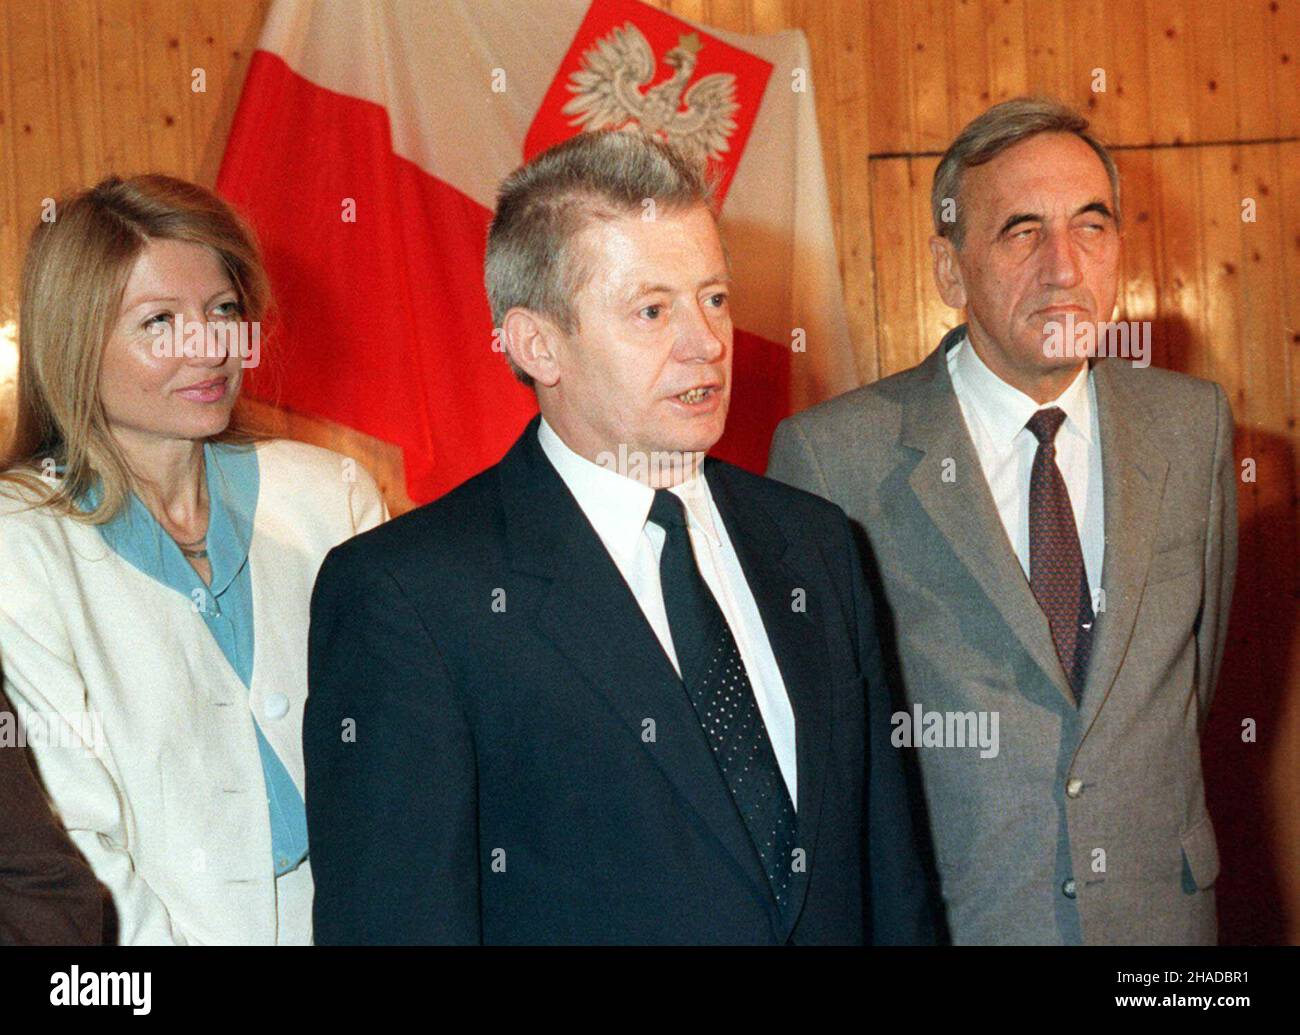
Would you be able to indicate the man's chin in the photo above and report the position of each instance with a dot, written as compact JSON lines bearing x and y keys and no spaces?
{"x":687,"y":447}
{"x":1048,"y":329}
{"x":699,"y":440}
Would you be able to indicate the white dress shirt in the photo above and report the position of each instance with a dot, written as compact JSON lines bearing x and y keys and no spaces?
{"x":996,"y":414}
{"x":618,"y":508}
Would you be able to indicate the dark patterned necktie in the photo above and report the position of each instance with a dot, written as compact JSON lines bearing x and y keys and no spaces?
{"x":1056,"y":572}
{"x":719,"y":688}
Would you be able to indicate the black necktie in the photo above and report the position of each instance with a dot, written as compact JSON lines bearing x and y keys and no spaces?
{"x":719,"y":688}
{"x":1056,"y":572}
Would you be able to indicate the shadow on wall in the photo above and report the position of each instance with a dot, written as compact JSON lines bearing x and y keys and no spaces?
{"x":1245,"y":797}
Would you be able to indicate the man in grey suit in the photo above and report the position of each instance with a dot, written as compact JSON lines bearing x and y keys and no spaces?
{"x":1055,"y":540}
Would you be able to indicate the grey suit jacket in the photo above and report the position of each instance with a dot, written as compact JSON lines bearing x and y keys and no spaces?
{"x":1089,"y":825}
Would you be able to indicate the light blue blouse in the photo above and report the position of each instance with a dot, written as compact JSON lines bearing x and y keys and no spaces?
{"x":226,"y":606}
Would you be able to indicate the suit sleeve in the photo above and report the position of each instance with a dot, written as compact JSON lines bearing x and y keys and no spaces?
{"x":1220,"y":557}
{"x":391,"y":790}
{"x":793,"y":461}
{"x":48,"y":895}
{"x":900,"y":906}
{"x":40,"y":678}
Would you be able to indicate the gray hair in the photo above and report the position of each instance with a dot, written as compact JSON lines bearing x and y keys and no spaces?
{"x":544,"y":205}
{"x":989,"y":134}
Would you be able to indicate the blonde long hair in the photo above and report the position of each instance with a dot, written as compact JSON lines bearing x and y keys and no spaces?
{"x":73,"y":278}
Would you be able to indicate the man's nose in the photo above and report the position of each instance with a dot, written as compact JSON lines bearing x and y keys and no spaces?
{"x":1061,"y":266}
{"x":699,"y":337}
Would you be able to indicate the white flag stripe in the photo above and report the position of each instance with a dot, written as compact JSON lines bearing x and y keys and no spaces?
{"x":431,"y":66}
{"x":778,"y":226}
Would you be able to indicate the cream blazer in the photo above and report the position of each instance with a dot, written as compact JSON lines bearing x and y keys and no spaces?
{"x":149,"y":753}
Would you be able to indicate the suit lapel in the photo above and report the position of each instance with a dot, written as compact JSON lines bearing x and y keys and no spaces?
{"x":774,"y":568}
{"x":965,"y":514}
{"x":1133,"y":476}
{"x":591,"y":617}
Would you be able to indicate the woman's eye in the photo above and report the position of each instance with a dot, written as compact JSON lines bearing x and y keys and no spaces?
{"x":718,"y":300}
{"x":232,"y":308}
{"x":153,"y":320}
{"x":651,"y":312}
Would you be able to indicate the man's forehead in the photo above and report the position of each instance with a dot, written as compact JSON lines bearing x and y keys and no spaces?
{"x":1060,"y":170}
{"x":651,"y":225}
{"x":629,"y":248}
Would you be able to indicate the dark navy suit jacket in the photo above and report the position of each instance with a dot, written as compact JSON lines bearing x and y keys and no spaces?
{"x":498,"y":750}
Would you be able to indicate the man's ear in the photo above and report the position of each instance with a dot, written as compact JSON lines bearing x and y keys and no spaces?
{"x":531,"y":339}
{"x":947,"y":272}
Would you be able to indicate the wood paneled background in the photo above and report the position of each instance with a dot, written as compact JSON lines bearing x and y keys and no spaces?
{"x":1199,"y":98}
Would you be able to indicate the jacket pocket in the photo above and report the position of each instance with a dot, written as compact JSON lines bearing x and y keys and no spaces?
{"x":1201,"y":853}
{"x":1181,"y":560}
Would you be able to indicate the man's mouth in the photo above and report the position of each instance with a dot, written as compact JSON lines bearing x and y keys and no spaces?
{"x":1053,"y":310}
{"x":697,"y":394}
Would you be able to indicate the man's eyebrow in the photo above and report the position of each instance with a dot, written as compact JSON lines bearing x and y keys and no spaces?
{"x":646,"y":288}
{"x":1100,"y":207}
{"x":1019,"y":217}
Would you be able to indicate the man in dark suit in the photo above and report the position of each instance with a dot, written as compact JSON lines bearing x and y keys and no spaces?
{"x":607,"y":691}
{"x":48,"y":895}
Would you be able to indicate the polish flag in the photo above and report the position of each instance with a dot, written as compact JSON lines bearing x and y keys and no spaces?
{"x":367,"y":149}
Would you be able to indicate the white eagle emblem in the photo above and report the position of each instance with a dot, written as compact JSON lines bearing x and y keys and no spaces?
{"x":618,"y":68}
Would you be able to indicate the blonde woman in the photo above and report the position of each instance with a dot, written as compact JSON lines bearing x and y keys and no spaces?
{"x":156,"y":567}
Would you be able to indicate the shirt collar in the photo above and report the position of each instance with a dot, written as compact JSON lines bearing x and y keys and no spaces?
{"x":135,"y":534}
{"x":233,"y":483}
{"x":1004,"y":410}
{"x":617,"y":506}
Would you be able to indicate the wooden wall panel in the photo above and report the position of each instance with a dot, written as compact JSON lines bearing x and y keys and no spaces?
{"x":1201,"y":102}
{"x":124,"y":134}
{"x":1168,"y":84}
{"x":1140,"y":255}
